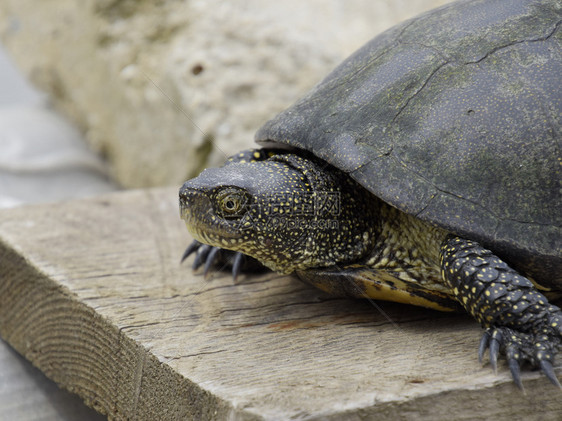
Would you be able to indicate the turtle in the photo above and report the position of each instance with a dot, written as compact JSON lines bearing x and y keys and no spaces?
{"x":424,"y":169}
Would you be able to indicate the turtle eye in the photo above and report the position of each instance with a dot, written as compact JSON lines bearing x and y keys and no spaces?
{"x":231,"y":202}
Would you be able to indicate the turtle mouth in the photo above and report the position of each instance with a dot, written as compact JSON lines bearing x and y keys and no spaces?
{"x":196,"y":209}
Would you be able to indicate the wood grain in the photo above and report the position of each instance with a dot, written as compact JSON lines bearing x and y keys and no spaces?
{"x":92,"y":292}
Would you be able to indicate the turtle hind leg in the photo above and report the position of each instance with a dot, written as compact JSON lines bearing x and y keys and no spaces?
{"x":360,"y":281}
{"x":519,"y":321}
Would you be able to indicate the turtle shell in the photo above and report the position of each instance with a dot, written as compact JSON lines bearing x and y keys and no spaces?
{"x":454,"y":117}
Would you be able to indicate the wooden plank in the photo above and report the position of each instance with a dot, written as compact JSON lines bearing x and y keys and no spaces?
{"x":27,"y":395}
{"x":92,"y":292}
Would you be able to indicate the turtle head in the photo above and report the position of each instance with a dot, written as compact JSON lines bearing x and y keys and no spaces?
{"x":288,"y":212}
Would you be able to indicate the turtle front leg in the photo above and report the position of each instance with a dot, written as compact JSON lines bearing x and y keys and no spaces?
{"x":208,"y":256}
{"x":519,"y":320}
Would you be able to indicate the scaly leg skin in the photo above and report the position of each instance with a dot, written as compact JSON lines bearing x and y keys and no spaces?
{"x":519,"y":321}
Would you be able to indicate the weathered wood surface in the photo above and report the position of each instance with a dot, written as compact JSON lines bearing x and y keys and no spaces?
{"x":27,"y":395}
{"x":92,"y":292}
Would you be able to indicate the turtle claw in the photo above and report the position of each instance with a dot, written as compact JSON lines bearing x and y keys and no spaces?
{"x":538,"y":350}
{"x":237,"y":265}
{"x":515,"y":369}
{"x":548,"y":370}
{"x":211,"y":258}
{"x":205,"y":255}
{"x":209,"y":255}
{"x":202,"y":253}
{"x":484,"y":343}
{"x":494,"y":343}
{"x":192,"y":248}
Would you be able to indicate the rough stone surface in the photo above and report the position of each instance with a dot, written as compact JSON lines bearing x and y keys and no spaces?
{"x":164,"y":88}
